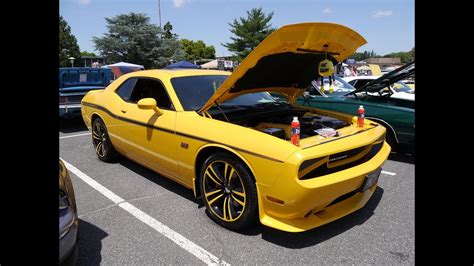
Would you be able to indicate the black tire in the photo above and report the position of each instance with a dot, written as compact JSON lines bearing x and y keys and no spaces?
{"x":71,"y":259}
{"x":225,"y":203}
{"x":103,"y":146}
{"x":391,"y":140}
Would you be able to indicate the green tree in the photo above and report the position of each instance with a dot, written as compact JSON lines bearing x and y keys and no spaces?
{"x":412,"y":53}
{"x":85,"y":53}
{"x":197,"y":50}
{"x":167,"y":31}
{"x":360,"y":56}
{"x":249,"y":32}
{"x":132,"y":38}
{"x":405,"y":57}
{"x":67,"y":44}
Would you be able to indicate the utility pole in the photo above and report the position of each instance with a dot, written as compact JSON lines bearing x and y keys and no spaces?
{"x":159,"y":11}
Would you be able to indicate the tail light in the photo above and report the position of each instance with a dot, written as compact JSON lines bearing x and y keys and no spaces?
{"x":62,"y":99}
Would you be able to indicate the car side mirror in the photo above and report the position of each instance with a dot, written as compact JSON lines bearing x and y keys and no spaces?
{"x":149,"y":103}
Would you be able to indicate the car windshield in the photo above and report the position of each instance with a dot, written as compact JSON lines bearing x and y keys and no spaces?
{"x":402,"y":87}
{"x":340,"y":87}
{"x":194,"y":91}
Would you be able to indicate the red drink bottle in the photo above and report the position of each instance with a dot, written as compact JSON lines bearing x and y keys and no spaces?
{"x":361,"y":115}
{"x":295,"y":131}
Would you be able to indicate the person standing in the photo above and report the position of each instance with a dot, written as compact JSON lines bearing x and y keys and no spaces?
{"x":347,"y":72}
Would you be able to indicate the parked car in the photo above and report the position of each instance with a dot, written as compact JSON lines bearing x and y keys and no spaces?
{"x":396,"y":114}
{"x":410,"y":83}
{"x":399,"y":89}
{"x":75,"y":82}
{"x":223,"y":136}
{"x":68,"y":220}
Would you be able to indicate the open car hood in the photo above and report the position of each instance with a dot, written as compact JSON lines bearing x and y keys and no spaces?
{"x":391,"y":77}
{"x":287,"y":60}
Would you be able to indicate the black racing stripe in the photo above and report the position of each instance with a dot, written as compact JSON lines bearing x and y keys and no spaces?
{"x":175,"y":132}
{"x":100,"y":108}
{"x":233,"y":147}
{"x":255,"y":154}
{"x":127,"y":119}
{"x":363,"y":130}
{"x":194,"y":137}
{"x":145,"y":125}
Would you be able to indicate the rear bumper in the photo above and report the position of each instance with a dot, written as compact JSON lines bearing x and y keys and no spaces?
{"x":69,"y":110}
{"x":309,"y":203}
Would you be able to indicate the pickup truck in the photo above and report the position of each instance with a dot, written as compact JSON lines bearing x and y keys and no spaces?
{"x":75,"y":82}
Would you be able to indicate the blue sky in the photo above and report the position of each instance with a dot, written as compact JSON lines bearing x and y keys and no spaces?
{"x":387,"y":25}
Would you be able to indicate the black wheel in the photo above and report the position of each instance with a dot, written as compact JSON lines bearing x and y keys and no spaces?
{"x":228,"y":191}
{"x":391,"y":140}
{"x":71,"y":259}
{"x":102,"y":144}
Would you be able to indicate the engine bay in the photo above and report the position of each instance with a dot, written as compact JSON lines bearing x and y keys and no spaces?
{"x":278,"y":122}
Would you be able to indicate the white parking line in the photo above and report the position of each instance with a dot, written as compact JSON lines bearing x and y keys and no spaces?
{"x":180,"y":240}
{"x":72,"y":136}
{"x":388,"y":173}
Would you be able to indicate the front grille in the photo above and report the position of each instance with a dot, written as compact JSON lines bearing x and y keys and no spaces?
{"x":72,"y":99}
{"x":346,"y":154}
{"x":343,"y":197}
{"x":326,"y":168}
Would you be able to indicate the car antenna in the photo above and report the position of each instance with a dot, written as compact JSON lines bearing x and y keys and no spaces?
{"x":218,"y":106}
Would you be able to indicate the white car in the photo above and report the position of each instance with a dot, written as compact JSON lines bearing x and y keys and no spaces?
{"x":399,"y":89}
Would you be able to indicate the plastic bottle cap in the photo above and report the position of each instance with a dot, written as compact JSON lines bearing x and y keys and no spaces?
{"x":361,"y":106}
{"x":295,"y":118}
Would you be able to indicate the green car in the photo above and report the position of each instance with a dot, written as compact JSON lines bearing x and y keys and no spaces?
{"x":394,"y":113}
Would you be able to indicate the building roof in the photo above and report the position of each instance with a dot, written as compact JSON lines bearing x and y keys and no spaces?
{"x":384,"y":60}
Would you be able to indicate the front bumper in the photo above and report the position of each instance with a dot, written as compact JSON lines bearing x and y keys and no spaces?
{"x":69,"y":110}
{"x":309,"y":203}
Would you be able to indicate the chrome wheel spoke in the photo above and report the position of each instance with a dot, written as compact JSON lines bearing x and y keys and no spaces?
{"x":225,"y":207}
{"x":215,"y":179}
{"x":212,"y":193}
{"x":98,"y":148}
{"x":235,"y":192}
{"x":232,"y":171}
{"x":103,"y":148}
{"x":224,"y":190}
{"x":214,"y":199}
{"x":226,"y":166}
{"x":231,"y":209}
{"x":98,"y":129}
{"x":238,"y":201}
{"x":96,"y":136}
{"x":217,"y":174}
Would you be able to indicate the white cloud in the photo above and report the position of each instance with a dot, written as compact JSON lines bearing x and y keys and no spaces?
{"x":178,"y":3}
{"x":382,"y":13}
{"x":84,"y":2}
{"x":327,"y":11}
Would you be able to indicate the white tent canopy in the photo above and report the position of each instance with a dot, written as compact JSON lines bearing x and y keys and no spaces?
{"x":124,"y":64}
{"x":211,"y":64}
{"x":363,"y":68}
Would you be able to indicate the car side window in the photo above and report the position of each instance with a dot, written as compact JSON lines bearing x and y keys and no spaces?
{"x":125,"y":90}
{"x":151,"y":88}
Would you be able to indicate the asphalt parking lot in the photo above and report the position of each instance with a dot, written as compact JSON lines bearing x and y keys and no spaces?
{"x":166,"y":225}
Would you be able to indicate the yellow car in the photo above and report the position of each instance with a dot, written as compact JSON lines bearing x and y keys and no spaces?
{"x":222,"y":135}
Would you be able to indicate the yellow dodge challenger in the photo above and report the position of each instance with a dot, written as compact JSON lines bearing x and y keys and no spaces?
{"x":222,"y":135}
